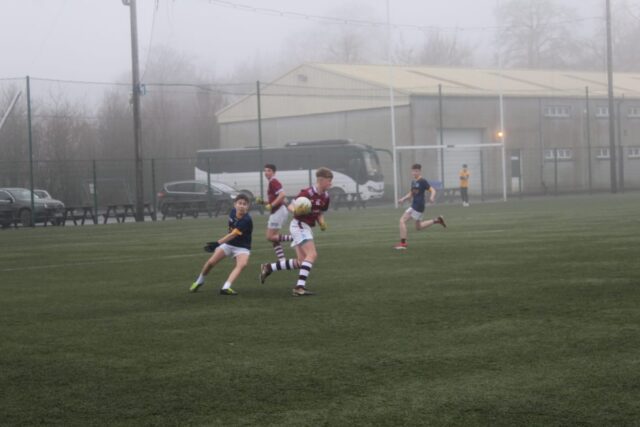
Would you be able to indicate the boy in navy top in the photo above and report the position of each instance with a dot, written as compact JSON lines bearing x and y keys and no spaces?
{"x":236,"y":243}
{"x":301,"y":231}
{"x":419,"y":186}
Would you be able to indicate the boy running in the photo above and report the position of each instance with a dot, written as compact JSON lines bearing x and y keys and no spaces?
{"x":301,"y":231}
{"x":279,"y":213}
{"x":236,"y":244}
{"x":419,"y":186}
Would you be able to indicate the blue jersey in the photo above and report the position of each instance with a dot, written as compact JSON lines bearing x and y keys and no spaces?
{"x":418,"y":188}
{"x":244,"y":225}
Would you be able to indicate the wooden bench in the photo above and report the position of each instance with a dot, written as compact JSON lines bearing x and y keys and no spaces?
{"x":79,"y":213}
{"x":122,"y":211}
{"x":349,"y":200}
{"x":192,"y":208}
{"x":448,"y":195}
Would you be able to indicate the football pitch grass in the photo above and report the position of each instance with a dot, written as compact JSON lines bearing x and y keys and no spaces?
{"x":519,"y":313}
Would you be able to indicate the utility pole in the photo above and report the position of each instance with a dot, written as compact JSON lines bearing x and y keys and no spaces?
{"x":137,"y":124}
{"x":612,"y":132}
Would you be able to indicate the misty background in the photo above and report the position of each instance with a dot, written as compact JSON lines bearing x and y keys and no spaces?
{"x":198,"y":56}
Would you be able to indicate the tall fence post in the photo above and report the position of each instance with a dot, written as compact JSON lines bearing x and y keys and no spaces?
{"x":555,"y":171}
{"x":95,"y":192}
{"x":588,"y":132}
{"x":33,"y":202}
{"x":209,"y":195}
{"x":154,"y":195}
{"x":481,"y":176}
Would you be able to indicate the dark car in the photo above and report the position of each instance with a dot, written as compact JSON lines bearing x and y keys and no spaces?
{"x":15,"y":205}
{"x":191,"y":197}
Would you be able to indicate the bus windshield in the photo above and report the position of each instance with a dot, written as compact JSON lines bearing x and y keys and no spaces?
{"x":371,"y":163}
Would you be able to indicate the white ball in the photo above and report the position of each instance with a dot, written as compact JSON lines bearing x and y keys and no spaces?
{"x":302,"y":205}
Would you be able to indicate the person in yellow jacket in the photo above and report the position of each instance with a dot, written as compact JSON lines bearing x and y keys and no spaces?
{"x":464,"y":185}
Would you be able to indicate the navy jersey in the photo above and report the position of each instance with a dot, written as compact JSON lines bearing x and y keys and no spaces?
{"x":319,"y":204}
{"x":418,"y":188}
{"x":244,"y":225}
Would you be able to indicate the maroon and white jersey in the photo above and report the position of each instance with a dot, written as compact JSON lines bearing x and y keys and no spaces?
{"x":319,"y":204}
{"x":275,"y":188}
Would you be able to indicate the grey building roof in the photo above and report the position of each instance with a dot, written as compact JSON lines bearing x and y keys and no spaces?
{"x":325,"y":88}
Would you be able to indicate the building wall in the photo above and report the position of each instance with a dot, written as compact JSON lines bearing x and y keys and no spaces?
{"x":530,"y":132}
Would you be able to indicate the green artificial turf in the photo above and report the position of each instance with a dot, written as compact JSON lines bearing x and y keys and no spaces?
{"x":519,"y":313}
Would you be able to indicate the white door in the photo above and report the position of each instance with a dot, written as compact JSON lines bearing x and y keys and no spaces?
{"x":457,"y":155}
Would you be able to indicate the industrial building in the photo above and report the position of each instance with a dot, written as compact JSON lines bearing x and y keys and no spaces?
{"x":556,"y":123}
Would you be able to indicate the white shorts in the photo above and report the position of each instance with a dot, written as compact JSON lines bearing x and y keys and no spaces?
{"x":277,"y":219}
{"x":234,"y":251}
{"x":300,"y":231}
{"x":414,"y":214}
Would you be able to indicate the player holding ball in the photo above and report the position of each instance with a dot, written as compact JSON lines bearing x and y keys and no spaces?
{"x":304,"y":219}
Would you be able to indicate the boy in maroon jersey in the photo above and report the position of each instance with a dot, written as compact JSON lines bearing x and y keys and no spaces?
{"x":279,"y":214}
{"x":301,"y":231}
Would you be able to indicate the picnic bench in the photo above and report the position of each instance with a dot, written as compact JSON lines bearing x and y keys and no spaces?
{"x":121,"y":211}
{"x":79,"y":213}
{"x":448,"y":195}
{"x":348,"y":200}
{"x":179,"y":209}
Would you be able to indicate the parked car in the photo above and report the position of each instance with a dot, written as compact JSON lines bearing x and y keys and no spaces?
{"x":17,"y":201}
{"x":191,"y":197}
{"x":42,"y":194}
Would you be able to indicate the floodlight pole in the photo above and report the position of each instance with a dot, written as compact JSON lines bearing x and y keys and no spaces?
{"x":137,"y":124}
{"x":392,"y":110}
{"x":612,"y":132}
{"x":261,"y":165}
{"x":29,"y":125}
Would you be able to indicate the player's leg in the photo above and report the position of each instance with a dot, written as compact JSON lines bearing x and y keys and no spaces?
{"x":274,"y":224}
{"x":307,"y":256}
{"x":218,"y":255}
{"x":403,"y":229}
{"x":421,"y":225}
{"x":273,"y":235}
{"x":242,"y":259}
{"x":283,"y":264}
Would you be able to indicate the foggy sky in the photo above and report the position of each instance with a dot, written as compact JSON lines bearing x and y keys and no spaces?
{"x":90,"y":39}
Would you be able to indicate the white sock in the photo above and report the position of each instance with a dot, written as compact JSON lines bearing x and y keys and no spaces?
{"x":200,"y":280}
{"x":226,"y":285}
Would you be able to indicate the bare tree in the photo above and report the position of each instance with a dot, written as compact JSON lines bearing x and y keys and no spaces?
{"x":537,"y":34}
{"x":436,"y":48}
{"x":351,"y":42}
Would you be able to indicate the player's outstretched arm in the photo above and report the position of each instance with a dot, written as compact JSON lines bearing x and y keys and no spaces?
{"x":230,"y":236}
{"x":405,"y":197}
{"x":433,"y":192}
{"x":321,"y":222}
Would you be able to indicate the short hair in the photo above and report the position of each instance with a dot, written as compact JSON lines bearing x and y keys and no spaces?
{"x":416,"y":166}
{"x":464,"y":166}
{"x":242,"y":196}
{"x":324,"y":173}
{"x":270,"y":166}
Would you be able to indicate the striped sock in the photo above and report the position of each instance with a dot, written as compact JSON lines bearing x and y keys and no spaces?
{"x":286,"y":238}
{"x":277,"y":247}
{"x":285,"y":264}
{"x":305,"y":269}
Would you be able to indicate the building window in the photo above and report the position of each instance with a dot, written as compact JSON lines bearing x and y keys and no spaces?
{"x":602,"y":153}
{"x":634,"y":153}
{"x":602,"y":111}
{"x":562,"y":153}
{"x":634,"y":112}
{"x":557,"y":111}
